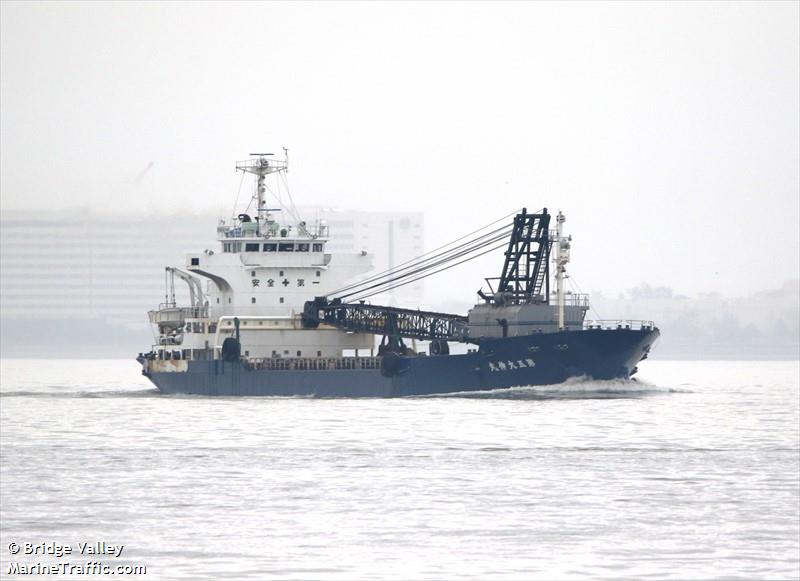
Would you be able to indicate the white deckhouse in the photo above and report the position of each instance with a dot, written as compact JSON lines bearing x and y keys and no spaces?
{"x":262,"y":272}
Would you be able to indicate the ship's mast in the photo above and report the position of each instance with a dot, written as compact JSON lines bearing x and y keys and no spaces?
{"x":561,"y":260}
{"x":261,"y":167}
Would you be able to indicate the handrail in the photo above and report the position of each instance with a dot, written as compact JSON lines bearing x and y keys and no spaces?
{"x":312,"y":363}
{"x":181,"y":313}
{"x":576,"y":300}
{"x":634,"y":324}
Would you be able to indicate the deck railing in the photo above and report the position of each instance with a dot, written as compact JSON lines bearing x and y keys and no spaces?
{"x":573,"y":300}
{"x":172,"y":314}
{"x":634,"y":324}
{"x":312,"y":363}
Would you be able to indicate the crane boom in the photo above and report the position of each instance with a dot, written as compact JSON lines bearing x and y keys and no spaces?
{"x":524,"y":280}
{"x":387,"y":321}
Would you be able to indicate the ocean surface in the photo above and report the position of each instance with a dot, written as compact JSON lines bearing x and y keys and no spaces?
{"x":693,"y":471}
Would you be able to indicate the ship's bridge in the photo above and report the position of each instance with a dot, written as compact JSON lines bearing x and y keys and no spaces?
{"x":246,"y":230}
{"x":268,"y":244}
{"x":263,"y":267}
{"x":270,"y":261}
{"x":263,"y":244}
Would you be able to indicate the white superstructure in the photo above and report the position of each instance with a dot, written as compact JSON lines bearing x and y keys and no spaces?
{"x":264,"y":268}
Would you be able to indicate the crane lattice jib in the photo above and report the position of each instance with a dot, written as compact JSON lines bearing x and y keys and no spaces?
{"x":525,"y":275}
{"x":526,"y":268}
{"x":387,"y":321}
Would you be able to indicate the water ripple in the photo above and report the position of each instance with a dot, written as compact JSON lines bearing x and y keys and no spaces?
{"x":691,"y":472}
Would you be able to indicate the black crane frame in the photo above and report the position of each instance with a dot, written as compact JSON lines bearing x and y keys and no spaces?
{"x":525,"y":275}
{"x":387,"y":321}
{"x":526,"y":271}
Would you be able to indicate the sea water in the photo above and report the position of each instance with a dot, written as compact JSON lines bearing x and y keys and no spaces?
{"x":693,"y":471}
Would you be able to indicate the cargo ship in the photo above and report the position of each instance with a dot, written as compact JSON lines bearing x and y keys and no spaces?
{"x":272,"y":313}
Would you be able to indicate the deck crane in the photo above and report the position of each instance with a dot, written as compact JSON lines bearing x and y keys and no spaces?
{"x":524,"y":279}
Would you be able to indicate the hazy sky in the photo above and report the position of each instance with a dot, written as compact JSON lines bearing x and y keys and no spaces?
{"x":668,"y":133}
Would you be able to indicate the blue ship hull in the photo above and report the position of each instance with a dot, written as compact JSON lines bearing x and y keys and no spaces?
{"x":539,"y":359}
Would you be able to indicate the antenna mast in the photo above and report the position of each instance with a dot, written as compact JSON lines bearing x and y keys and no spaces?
{"x":261,"y":167}
{"x":561,"y":260}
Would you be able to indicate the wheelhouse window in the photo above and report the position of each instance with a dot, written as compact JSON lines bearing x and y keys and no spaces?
{"x":302,"y":247}
{"x":251,"y":247}
{"x":285,"y":247}
{"x":317,"y":247}
{"x":270,"y":247}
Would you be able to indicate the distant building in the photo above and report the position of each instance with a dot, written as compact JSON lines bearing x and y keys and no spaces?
{"x":82,"y":265}
{"x":76,"y":265}
{"x":394,"y":238}
{"x":763,"y":325}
